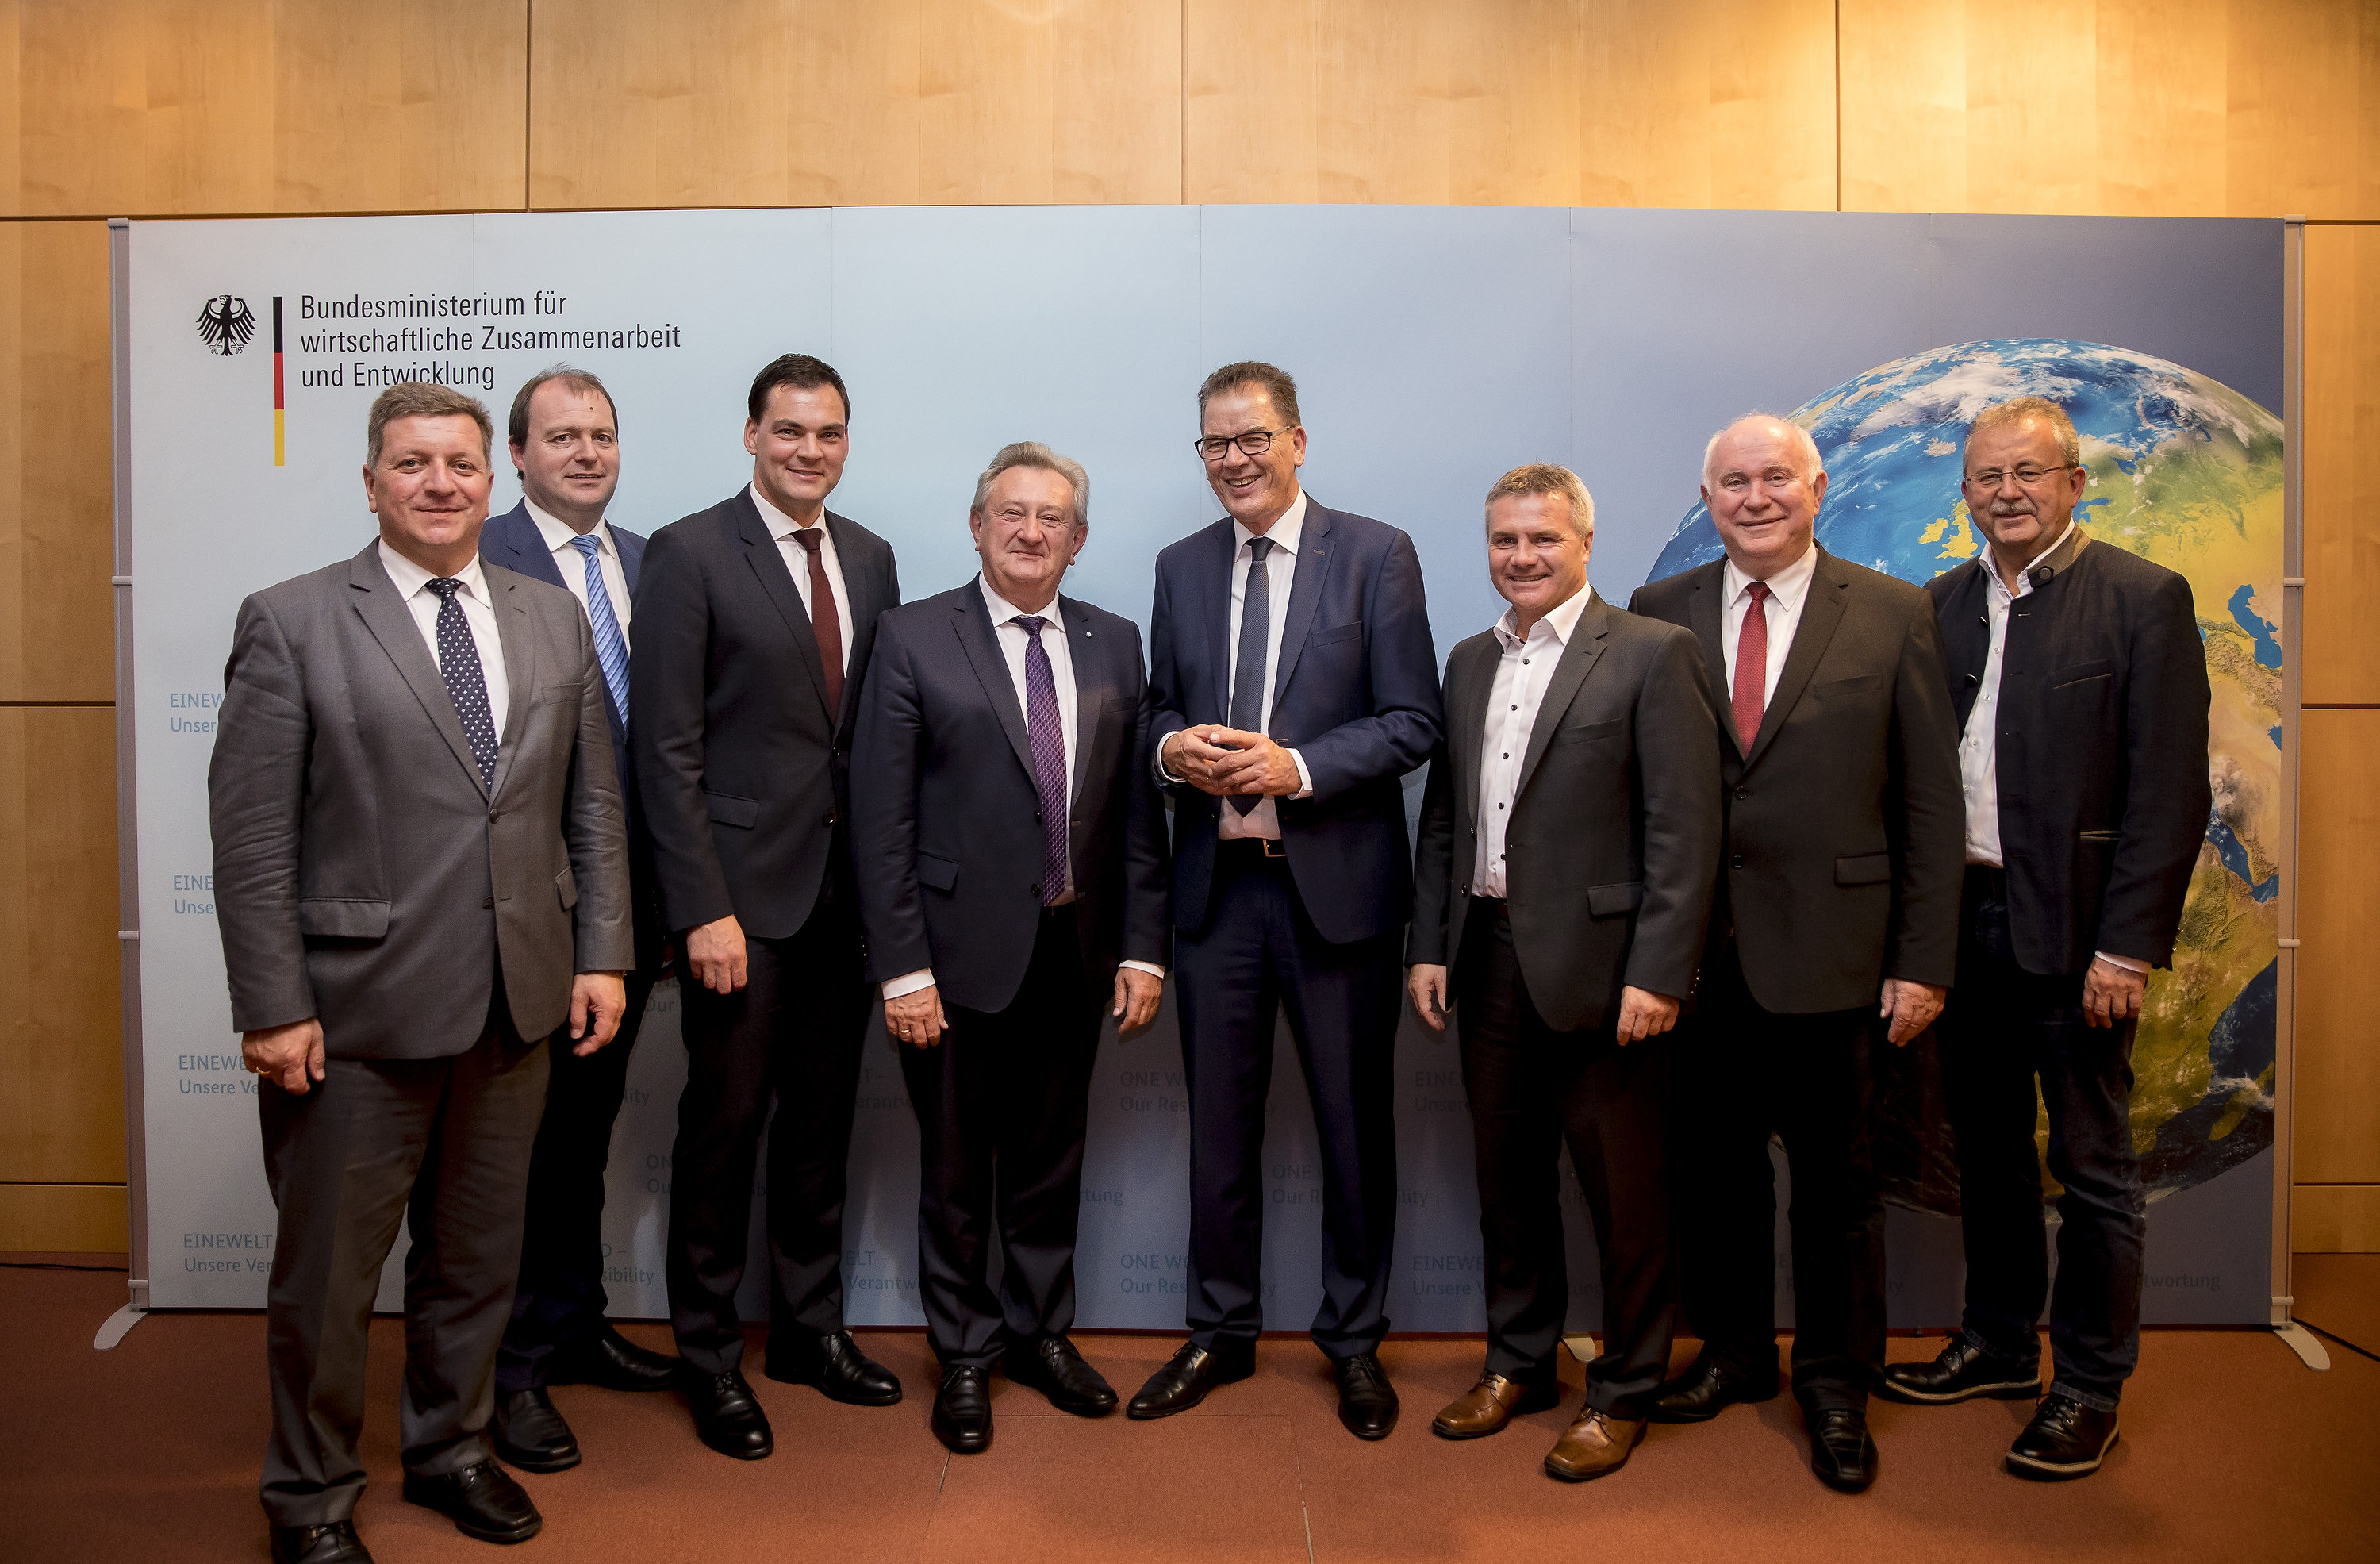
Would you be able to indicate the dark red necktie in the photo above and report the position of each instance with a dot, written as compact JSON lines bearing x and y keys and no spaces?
{"x":1752,"y":665}
{"x":825,"y":623}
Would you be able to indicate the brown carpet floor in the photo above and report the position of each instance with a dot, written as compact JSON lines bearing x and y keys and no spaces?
{"x":2231,"y":1451}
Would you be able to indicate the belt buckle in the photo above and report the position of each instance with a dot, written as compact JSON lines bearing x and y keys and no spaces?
{"x":1274,"y":846}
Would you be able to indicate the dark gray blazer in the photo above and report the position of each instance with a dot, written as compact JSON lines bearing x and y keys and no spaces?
{"x":743,"y":773}
{"x":1614,"y":841}
{"x":2102,"y":750}
{"x":363,"y":875}
{"x":946,"y":826}
{"x":1846,"y":825}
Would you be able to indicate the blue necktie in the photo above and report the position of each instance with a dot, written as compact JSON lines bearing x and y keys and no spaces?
{"x":1248,"y":674}
{"x":610,"y":646}
{"x":467,"y":683}
{"x":1049,"y":736}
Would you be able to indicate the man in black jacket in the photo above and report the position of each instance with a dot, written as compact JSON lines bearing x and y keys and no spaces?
{"x":753,"y":620}
{"x":1838,"y":899}
{"x":2080,"y":676}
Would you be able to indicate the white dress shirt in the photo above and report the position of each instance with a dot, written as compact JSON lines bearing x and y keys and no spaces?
{"x":1521,"y":675}
{"x":1788,"y":590}
{"x":572,"y":564}
{"x":783,"y":526}
{"x":1281,"y":574}
{"x":478,"y":612}
{"x":1015,"y":642}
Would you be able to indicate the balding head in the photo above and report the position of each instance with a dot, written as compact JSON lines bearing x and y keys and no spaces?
{"x":1764,"y":482}
{"x":1771,"y":426}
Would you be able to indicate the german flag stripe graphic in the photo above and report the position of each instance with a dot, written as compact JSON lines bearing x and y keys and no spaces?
{"x":279,"y":443}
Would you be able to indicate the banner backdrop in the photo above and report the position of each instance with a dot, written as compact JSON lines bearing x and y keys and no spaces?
{"x":1434,"y":348}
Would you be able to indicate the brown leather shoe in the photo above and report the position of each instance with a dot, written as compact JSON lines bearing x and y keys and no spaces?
{"x":1595,"y":1445}
{"x":1488,"y":1406}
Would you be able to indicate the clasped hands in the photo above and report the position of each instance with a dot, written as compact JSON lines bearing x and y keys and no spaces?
{"x":1230,"y":762}
{"x":291,"y":1057}
{"x":917,"y":1019}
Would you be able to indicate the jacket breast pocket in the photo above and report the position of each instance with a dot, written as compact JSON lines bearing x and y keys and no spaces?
{"x":729,"y":810}
{"x":2083,"y":672}
{"x":1864,"y":869}
{"x":1587,"y":733}
{"x":2103,"y":838}
{"x":1836,"y":689}
{"x":1347,"y":631}
{"x":937,"y":874}
{"x":1609,"y":902}
{"x":566,"y":885}
{"x":556,"y":694}
{"x":326,"y":917}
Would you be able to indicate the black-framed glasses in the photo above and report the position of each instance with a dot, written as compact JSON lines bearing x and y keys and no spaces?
{"x":1252,"y":442}
{"x":2026,"y":476}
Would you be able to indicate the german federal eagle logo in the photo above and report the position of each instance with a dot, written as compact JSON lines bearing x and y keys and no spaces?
{"x":226,"y":323}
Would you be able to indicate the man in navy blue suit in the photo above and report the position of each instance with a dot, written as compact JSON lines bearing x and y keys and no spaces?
{"x":565,"y":445}
{"x":1294,"y":685}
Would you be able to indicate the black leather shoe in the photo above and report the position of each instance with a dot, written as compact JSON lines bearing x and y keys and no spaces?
{"x":963,"y":1411}
{"x":1961,"y":1372}
{"x":1052,"y":1366}
{"x":834,"y":1364}
{"x":728,"y":1416}
{"x":483,"y":1501}
{"x":613,"y":1361}
{"x":2064,"y":1439}
{"x":1840,"y":1451}
{"x":1183,"y":1382}
{"x":332,"y":1543}
{"x":528,"y":1433}
{"x":1699,"y":1394}
{"x":1367,"y":1402}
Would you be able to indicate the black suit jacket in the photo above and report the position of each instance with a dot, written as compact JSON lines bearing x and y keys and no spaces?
{"x":1613,"y":845}
{"x":2101,"y":756}
{"x":745,"y":774}
{"x":946,"y":826}
{"x":1846,"y":829}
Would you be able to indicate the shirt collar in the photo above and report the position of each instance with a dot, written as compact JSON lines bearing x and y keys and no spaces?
{"x":1285,"y":532}
{"x":2025,"y":577}
{"x":412,"y":579}
{"x":557,"y":532}
{"x":780,"y":526}
{"x":1002,"y":610}
{"x":1788,"y":586}
{"x":1557,"y":623}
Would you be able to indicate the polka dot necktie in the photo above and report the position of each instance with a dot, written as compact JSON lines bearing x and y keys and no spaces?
{"x":466,"y":684}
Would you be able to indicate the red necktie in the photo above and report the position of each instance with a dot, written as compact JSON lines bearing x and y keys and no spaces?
{"x":1752,"y":665}
{"x":825,"y":623}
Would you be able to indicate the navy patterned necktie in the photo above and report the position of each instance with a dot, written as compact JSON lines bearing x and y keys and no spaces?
{"x":1248,"y":674}
{"x":467,"y":683}
{"x":1049,"y":735}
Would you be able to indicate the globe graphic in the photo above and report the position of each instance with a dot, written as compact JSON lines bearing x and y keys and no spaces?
{"x":2185,"y":471}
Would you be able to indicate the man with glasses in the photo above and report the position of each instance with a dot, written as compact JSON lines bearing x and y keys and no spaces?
{"x":2081,"y":680}
{"x":1294,"y":685}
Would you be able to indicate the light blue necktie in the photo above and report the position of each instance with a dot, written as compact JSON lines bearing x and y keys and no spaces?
{"x":610,"y":646}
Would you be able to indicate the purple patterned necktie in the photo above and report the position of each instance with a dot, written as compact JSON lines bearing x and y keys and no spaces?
{"x":1049,"y":736}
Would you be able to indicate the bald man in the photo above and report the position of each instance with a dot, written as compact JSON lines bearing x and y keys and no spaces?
{"x":1835,"y":918}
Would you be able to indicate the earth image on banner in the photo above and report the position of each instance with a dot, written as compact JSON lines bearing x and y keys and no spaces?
{"x":2184,"y":471}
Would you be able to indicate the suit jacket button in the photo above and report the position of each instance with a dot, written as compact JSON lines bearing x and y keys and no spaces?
{"x":1736,"y":863}
{"x":487,"y":904}
{"x":1037,"y":890}
{"x":491,"y":817}
{"x":829,"y":817}
{"x":1743,"y":792}
{"x":1972,"y":680}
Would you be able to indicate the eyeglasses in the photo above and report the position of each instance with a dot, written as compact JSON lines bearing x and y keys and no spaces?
{"x":1252,"y":442}
{"x":2026,"y":476}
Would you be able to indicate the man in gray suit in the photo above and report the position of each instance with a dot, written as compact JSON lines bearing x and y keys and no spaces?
{"x":1569,"y":839}
{"x":422,"y":871}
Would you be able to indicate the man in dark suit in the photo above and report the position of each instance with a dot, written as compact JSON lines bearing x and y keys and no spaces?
{"x":1010,"y":850}
{"x":565,"y":445}
{"x":1569,"y":838}
{"x":2081,"y":680}
{"x":754,"y":622}
{"x":1294,"y":685}
{"x":421,"y":875}
{"x":1837,"y":904}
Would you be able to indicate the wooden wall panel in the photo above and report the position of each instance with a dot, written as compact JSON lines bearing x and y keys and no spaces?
{"x":222,"y":106}
{"x":61,"y":1038}
{"x":57,"y":623}
{"x":62,"y":1219}
{"x":2303,"y":132}
{"x":2342,"y":491}
{"x":2338,"y":991}
{"x":646,"y":103}
{"x":2334,"y":1219}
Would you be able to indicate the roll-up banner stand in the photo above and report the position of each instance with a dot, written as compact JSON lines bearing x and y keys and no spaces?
{"x":1434,"y":348}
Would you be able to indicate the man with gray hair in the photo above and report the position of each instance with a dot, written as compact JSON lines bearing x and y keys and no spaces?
{"x":1009,"y":840}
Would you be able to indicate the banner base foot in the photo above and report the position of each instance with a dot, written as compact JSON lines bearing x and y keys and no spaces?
{"x":2305,"y":1344}
{"x":119,"y":1324}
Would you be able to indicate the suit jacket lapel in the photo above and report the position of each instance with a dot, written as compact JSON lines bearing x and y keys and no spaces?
{"x":392,"y":624}
{"x":982,"y":642}
{"x":1094,"y":688}
{"x":1579,"y":656}
{"x":632,"y":556}
{"x":1822,"y":610}
{"x":1966,"y":636}
{"x":1305,"y":595}
{"x":1703,"y":615}
{"x":516,"y":635}
{"x":768,"y":563}
{"x":1467,"y":689}
{"x":1218,"y":613}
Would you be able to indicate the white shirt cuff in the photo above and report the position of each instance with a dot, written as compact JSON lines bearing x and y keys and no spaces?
{"x":1153,"y":970}
{"x":2124,"y":961}
{"x":908,"y":983}
{"x":1304,"y":778}
{"x":1164,"y":776}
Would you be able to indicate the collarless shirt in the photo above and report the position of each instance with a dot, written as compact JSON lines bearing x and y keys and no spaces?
{"x":783,"y":526}
{"x":1788,"y":590}
{"x":479,"y":611}
{"x":1522,"y":672}
{"x":558,"y":537}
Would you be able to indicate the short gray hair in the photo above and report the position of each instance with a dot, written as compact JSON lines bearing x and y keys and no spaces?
{"x":1033,"y":453}
{"x":1795,"y":433}
{"x":2016,"y":409}
{"x":424,"y":398}
{"x":1546,"y":478}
